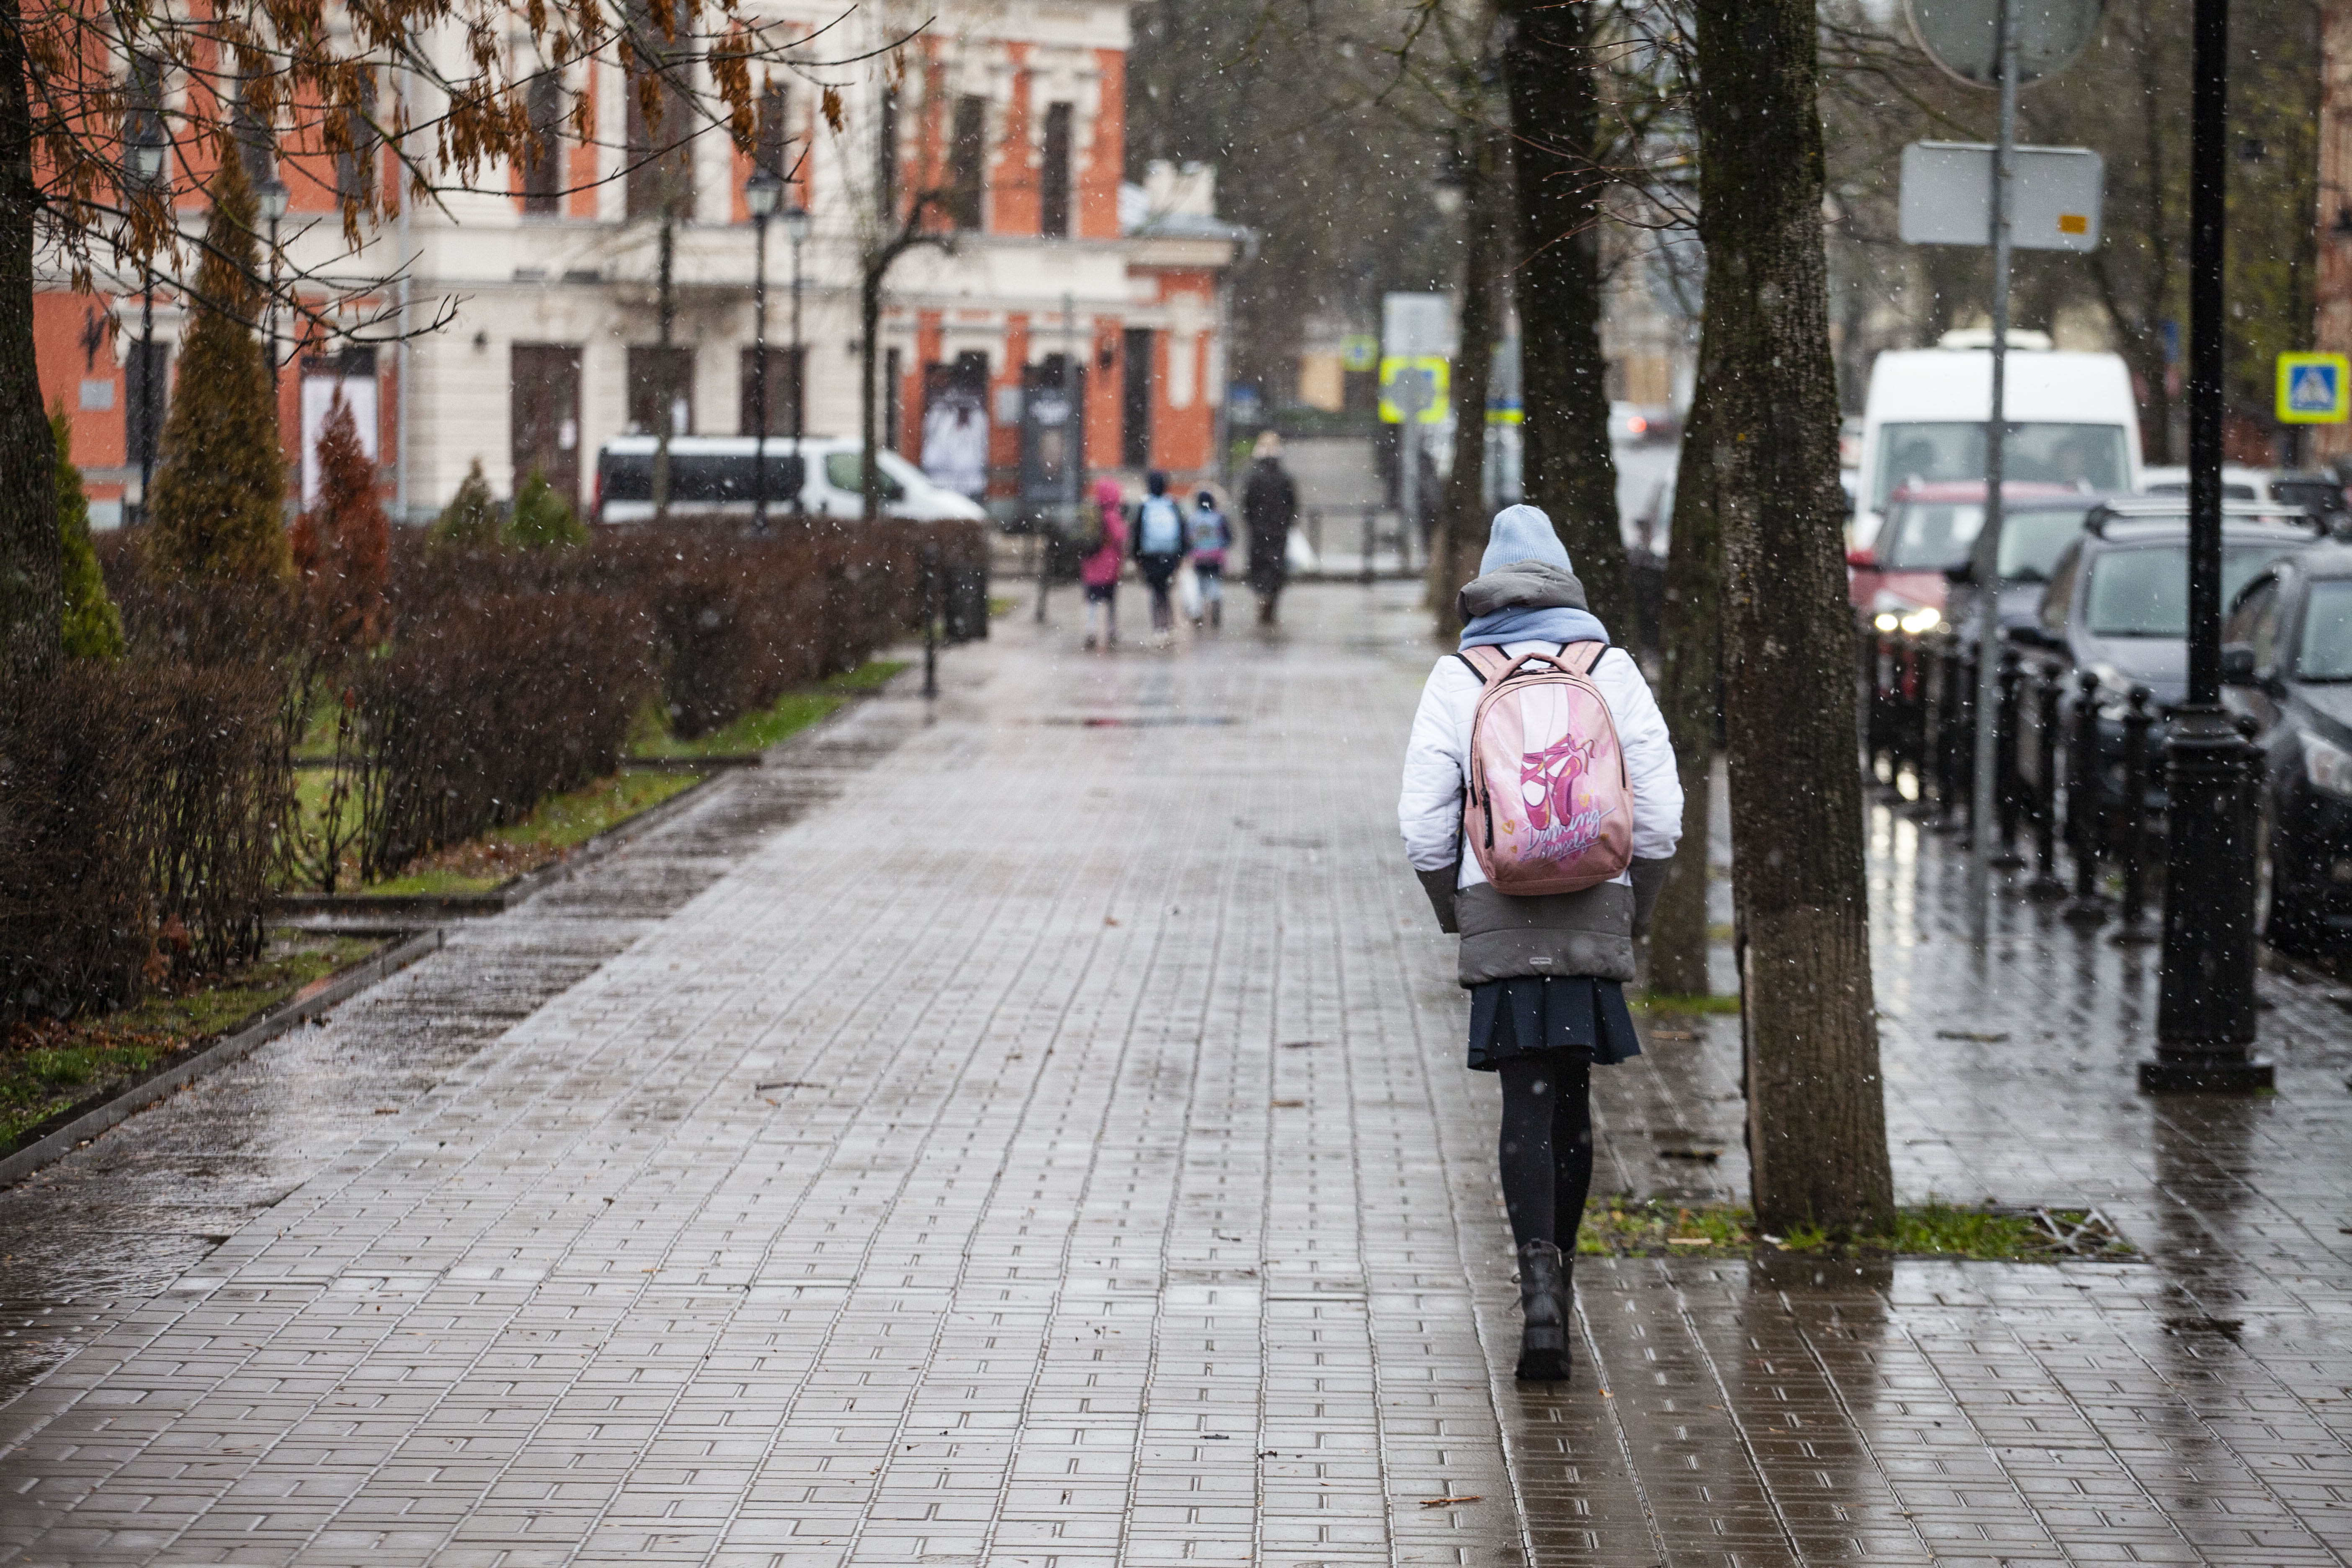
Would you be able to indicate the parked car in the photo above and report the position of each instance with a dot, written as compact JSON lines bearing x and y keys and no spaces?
{"x":2238,"y":482}
{"x":2286,"y":663}
{"x":713,"y":476}
{"x":1919,"y":573}
{"x":1640,"y":422}
{"x":2117,"y":604}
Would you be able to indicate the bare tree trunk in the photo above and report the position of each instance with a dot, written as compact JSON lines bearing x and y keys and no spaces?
{"x":1689,"y":689}
{"x":1452,"y":549}
{"x":32,"y":592}
{"x":869,"y":329}
{"x":1568,"y":470}
{"x":1817,"y":1113}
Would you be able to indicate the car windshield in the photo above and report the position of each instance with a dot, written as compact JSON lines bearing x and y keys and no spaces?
{"x":2143,"y":592}
{"x":2032,"y":542}
{"x":2090,"y":456}
{"x":2326,"y":652}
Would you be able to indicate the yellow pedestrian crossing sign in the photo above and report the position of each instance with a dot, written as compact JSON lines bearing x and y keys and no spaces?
{"x":1414,"y":390}
{"x":2314,"y":389}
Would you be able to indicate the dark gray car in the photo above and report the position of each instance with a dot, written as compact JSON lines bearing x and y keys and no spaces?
{"x":2287,"y":659}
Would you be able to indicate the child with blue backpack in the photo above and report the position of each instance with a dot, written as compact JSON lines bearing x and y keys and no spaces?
{"x":1210,"y":536}
{"x":1159,"y":551}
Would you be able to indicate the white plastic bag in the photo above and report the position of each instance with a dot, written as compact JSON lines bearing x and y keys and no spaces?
{"x":1188,"y":591}
{"x":1299,"y":553}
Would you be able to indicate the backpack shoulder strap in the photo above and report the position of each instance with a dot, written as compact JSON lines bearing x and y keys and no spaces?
{"x":1582,"y":655}
{"x":1486,"y":661}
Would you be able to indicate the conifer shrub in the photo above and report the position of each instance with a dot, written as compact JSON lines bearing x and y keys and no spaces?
{"x":92,"y":627}
{"x":470,"y":520}
{"x":342,"y":544}
{"x":220,"y":484}
{"x":543,"y":519}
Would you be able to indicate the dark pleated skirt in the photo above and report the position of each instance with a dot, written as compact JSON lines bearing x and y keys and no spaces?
{"x":1542,"y":1013}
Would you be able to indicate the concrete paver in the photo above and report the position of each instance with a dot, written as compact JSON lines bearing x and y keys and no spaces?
{"x":1035,"y":1132}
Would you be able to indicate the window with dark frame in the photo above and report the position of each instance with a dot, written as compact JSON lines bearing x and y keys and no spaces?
{"x":147,"y":388}
{"x":142,"y":116}
{"x":893,"y":394}
{"x":661,"y":386}
{"x":968,"y":161}
{"x":1135,"y":422}
{"x":784,"y":390}
{"x":355,"y":166}
{"x":542,"y":173}
{"x":251,"y":134}
{"x":886,"y":156}
{"x":660,"y":180}
{"x":1054,"y":175}
{"x":775,"y":103}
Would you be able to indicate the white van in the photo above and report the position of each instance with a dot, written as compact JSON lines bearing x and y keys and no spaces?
{"x":712,"y":476}
{"x":2072,"y":420}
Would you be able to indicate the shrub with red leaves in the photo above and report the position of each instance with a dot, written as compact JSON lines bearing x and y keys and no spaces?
{"x":342,"y":544}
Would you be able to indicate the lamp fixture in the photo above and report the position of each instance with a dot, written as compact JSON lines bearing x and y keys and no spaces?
{"x":761,"y":194}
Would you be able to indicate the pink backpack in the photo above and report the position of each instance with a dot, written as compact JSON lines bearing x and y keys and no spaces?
{"x":1549,"y":808}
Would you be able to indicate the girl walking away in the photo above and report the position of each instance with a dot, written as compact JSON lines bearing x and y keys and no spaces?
{"x":1541,"y":807}
{"x":1158,"y":550}
{"x":1210,"y":535}
{"x":1099,"y":571}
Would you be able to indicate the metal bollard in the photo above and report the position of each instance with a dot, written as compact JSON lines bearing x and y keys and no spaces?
{"x":930,"y":620}
{"x":2084,"y":831}
{"x":1365,"y":571}
{"x":2047,"y":885}
{"x":2135,"y":929}
{"x":1314,"y":535}
{"x":1951,"y":784}
{"x":1964,"y":744}
{"x":2004,"y":769}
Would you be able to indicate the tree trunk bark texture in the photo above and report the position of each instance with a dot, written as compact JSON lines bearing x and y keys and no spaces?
{"x":1565,"y":460}
{"x":1461,"y":519}
{"x":1817,"y":1115}
{"x":32,"y":592}
{"x":1689,"y":690}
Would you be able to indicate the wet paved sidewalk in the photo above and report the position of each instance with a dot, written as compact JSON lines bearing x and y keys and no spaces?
{"x":1044,"y":1141}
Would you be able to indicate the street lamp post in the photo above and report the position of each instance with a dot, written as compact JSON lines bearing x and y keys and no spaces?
{"x":2205,"y":1007}
{"x":759,"y":193}
{"x":147,"y":168}
{"x":797,"y":230}
{"x":273,"y":208}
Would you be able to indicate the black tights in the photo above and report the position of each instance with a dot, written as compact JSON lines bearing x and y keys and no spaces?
{"x":1547,"y":1144}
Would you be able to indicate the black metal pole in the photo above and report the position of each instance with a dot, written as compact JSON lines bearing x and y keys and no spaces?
{"x":2004,"y":751}
{"x":759,"y":378}
{"x":273,"y":322}
{"x":2135,"y":930}
{"x":930,"y":620}
{"x":2205,"y":1006}
{"x":800,"y":384}
{"x":1366,"y":571}
{"x":146,"y":394}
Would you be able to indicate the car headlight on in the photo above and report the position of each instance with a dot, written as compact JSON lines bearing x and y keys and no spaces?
{"x":2327,"y":766}
{"x":1886,"y":620}
{"x":1922,"y":620}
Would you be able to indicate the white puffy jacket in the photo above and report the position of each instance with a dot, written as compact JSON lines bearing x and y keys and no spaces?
{"x":1429,"y":811}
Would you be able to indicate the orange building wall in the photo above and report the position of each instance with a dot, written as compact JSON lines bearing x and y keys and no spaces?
{"x":1005,"y":438}
{"x":579,"y":162}
{"x":1103,"y":392}
{"x":61,"y":321}
{"x":1097,"y":178}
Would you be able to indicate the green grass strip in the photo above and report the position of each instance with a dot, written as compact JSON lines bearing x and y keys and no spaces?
{"x":559,"y":823}
{"x":1627,"y":1227}
{"x":756,"y":731}
{"x":45,"y":1068}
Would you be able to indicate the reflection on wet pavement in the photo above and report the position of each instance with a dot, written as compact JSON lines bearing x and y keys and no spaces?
{"x":1100,"y":1183}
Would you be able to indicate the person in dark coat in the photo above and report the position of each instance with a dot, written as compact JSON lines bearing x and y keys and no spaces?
{"x":1269,"y":509}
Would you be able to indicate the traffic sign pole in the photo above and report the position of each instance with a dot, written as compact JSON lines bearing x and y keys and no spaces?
{"x":1986,"y":784}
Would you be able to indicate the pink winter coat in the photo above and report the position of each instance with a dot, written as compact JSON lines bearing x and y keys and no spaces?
{"x":1100,"y":569}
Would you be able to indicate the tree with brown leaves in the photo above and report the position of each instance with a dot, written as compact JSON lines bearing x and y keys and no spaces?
{"x":342,"y":542}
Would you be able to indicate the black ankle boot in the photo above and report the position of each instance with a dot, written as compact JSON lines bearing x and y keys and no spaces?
{"x":1543,"y":1301}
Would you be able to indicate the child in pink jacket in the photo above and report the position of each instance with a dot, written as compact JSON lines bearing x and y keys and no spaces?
{"x":1099,"y":571}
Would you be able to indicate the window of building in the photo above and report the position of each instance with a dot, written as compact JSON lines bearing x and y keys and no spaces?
{"x":544,"y":411}
{"x":355,"y":161}
{"x":660,"y":180}
{"x":147,"y":390}
{"x":1053,"y":173}
{"x":886,"y":155}
{"x":775,"y":140}
{"x":784,"y":390}
{"x":143,"y":118}
{"x":542,"y":169}
{"x":893,"y":394}
{"x":661,"y":388}
{"x":968,"y":161}
{"x":250,"y":132}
